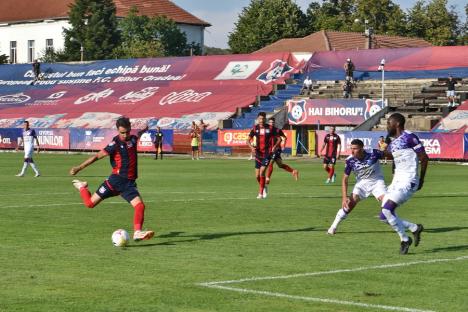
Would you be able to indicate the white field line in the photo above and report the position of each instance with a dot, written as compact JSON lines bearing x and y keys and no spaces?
{"x":219,"y":284}
{"x":322,"y":300}
{"x":377,"y":267}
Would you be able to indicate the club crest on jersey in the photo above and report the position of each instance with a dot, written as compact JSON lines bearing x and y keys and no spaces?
{"x":278,"y":69}
{"x":372,"y":107}
{"x":297,"y":112}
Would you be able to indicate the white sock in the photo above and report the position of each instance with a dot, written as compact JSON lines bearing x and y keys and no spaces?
{"x":23,"y":170}
{"x":33,"y":166}
{"x":410,"y":226}
{"x":396,"y":224}
{"x":340,"y":216}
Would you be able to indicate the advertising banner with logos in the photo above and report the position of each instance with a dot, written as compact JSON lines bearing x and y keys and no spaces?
{"x":9,"y":137}
{"x":437,"y":145}
{"x":53,"y":138}
{"x":92,"y":95}
{"x":466,"y":145}
{"x":238,"y":137}
{"x":145,"y":144}
{"x":331,"y":111}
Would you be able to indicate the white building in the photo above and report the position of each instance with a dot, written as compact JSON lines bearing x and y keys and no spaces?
{"x":28,"y":27}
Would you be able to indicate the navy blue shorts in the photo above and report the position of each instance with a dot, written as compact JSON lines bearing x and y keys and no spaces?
{"x":329,"y":160}
{"x":276,"y":155}
{"x":117,"y":185}
{"x":261,"y":162}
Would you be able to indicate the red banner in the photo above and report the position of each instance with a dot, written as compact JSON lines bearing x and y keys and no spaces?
{"x":54,"y":138}
{"x":235,"y":137}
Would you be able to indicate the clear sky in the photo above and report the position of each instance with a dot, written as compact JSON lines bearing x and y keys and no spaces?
{"x":222,"y":14}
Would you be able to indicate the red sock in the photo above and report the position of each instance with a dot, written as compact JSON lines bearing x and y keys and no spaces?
{"x":287,"y":168}
{"x":332,"y":171}
{"x":327,"y":169}
{"x":269,"y":171}
{"x":138,"y":216}
{"x":86,"y":196}
{"x":262,"y":185}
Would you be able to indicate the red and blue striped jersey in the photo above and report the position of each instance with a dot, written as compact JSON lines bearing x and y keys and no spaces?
{"x":265,"y":138}
{"x":124,"y":157}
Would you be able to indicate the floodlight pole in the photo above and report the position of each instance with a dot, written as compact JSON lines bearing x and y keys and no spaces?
{"x":382,"y":68}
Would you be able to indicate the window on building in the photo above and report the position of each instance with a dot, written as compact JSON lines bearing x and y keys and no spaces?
{"x":49,"y":44}
{"x":13,"y":52}
{"x":31,"y":52}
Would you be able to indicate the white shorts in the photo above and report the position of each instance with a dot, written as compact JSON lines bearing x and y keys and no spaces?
{"x":28,"y":152}
{"x":400,"y":191}
{"x":365,"y":188}
{"x":450,"y":92}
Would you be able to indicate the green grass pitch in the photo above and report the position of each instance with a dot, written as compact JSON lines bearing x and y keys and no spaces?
{"x":57,"y":255}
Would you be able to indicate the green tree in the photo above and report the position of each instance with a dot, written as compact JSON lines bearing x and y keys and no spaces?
{"x":3,"y":59}
{"x":94,"y":27}
{"x":418,"y":21}
{"x":216,"y":51}
{"x":463,"y":40}
{"x":331,"y":15}
{"x":443,"y":24}
{"x":384,"y":16}
{"x":264,"y":22}
{"x":139,"y":49}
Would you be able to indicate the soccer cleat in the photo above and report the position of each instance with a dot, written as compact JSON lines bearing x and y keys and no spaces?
{"x":142,"y":235}
{"x":259,"y":196}
{"x":328,"y":181}
{"x":79,"y":184}
{"x":417,"y":234}
{"x":295,"y":174}
{"x":333,"y":178}
{"x":265,"y":192}
{"x":404,"y":247}
{"x":19,"y":175}
{"x":331,"y":231}
{"x":37,"y":175}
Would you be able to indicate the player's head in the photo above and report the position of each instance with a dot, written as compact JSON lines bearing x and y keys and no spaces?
{"x":158,"y":128}
{"x":381,"y":138}
{"x":357,"y":148}
{"x":124,"y":127}
{"x":26,"y":125}
{"x":332,"y":129}
{"x":261,"y":117}
{"x":271,"y":121}
{"x":395,"y":121}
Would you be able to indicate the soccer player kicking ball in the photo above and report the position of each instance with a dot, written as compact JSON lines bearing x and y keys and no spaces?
{"x":406,"y":151}
{"x":266,"y":139}
{"x":369,"y":180}
{"x":276,"y":158}
{"x":332,"y":142}
{"x":123,"y":158}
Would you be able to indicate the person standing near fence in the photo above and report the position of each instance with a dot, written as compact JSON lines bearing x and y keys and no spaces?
{"x":158,"y":143}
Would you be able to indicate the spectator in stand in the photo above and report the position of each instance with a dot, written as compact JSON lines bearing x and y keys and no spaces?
{"x":349,"y":69}
{"x":347,"y":88}
{"x":306,"y":86}
{"x":451,"y":91}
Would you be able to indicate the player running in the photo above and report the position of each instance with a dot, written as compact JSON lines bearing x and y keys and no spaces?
{"x":266,"y":139}
{"x":276,"y":156}
{"x":407,"y":151}
{"x":332,"y":143}
{"x":27,"y":140}
{"x":123,"y":158}
{"x":369,"y":180}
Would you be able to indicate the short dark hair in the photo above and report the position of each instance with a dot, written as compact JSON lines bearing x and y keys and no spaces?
{"x":26,"y":122}
{"x":357,"y":142}
{"x":123,"y":122}
{"x":398,"y":118}
{"x":381,"y":137}
{"x":271,"y":118}
{"x":261,"y":114}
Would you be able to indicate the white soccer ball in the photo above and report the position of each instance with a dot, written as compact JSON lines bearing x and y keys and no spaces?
{"x":120,"y":238}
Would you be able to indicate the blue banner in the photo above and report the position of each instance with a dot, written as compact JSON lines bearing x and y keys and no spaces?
{"x":9,"y":137}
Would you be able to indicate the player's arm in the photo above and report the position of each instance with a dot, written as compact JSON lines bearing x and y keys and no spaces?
{"x":20,"y":142}
{"x":87,"y":162}
{"x":37,"y":143}
{"x":323,"y":147}
{"x":249,"y":140}
{"x":344,"y":191}
{"x":424,"y":159}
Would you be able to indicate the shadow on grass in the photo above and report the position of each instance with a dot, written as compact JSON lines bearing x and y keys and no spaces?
{"x":446,"y":229}
{"x":449,"y":248}
{"x":200,"y":237}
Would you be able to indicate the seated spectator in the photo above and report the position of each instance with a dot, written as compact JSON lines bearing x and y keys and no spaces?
{"x":307,"y":85}
{"x":347,"y":88}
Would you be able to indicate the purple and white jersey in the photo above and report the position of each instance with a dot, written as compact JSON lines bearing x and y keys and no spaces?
{"x":366,"y":168}
{"x":28,"y":139}
{"x":404,"y":150}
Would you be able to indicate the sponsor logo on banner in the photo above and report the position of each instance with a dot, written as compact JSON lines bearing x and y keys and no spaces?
{"x":238,"y":70}
{"x":236,"y":137}
{"x":297,"y":112}
{"x":278,"y":69}
{"x":94,"y":96}
{"x":17,"y":98}
{"x":56,"y":95}
{"x":184,"y":96}
{"x":145,"y":140}
{"x":138,"y":96}
{"x":372,"y":107}
{"x":432,"y":146}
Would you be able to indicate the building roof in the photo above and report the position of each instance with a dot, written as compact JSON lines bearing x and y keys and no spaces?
{"x":327,"y":40}
{"x":14,"y":11}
